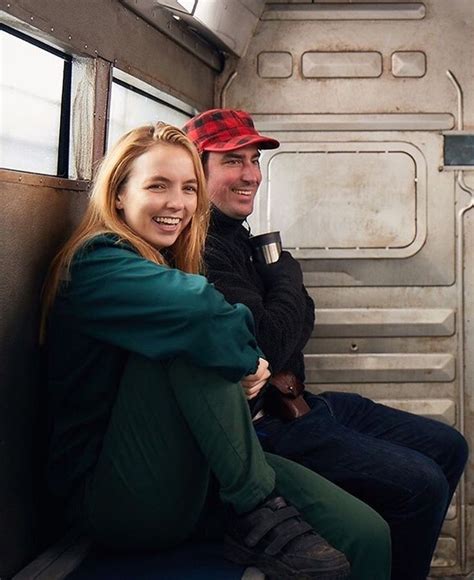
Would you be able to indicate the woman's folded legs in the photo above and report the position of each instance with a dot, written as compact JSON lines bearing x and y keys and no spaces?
{"x":170,"y":423}
{"x":174,"y":429}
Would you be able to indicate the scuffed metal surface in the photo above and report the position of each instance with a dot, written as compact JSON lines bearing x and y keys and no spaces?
{"x":147,"y":53}
{"x":399,"y":330}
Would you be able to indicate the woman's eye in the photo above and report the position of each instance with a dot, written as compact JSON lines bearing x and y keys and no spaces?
{"x":190,"y":189}
{"x":158,"y":186}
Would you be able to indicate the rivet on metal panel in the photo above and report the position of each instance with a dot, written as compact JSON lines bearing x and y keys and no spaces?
{"x":440,"y":168}
{"x":19,"y":179}
{"x":32,"y":17}
{"x":69,"y":37}
{"x":85,"y":45}
{"x":52,"y":28}
{"x":8,"y":5}
{"x":354,"y":347}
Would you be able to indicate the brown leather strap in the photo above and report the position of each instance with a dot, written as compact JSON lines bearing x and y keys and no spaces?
{"x":285,"y":399}
{"x":287,"y":383}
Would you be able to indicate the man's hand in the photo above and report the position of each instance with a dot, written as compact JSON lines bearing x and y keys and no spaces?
{"x":285,"y":267}
{"x":252,"y":384}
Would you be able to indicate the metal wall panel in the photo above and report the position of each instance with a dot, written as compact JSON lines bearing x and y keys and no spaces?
{"x":443,"y":34}
{"x":377,"y":190}
{"x":397,"y":327}
{"x":37,"y":214}
{"x":360,"y":185}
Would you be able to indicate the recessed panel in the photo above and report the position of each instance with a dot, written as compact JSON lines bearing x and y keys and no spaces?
{"x":408,"y":64}
{"x":341,"y":64}
{"x":443,"y":410}
{"x":380,"y":368}
{"x":352,"y":199}
{"x":446,"y":553}
{"x":274,"y":65}
{"x":339,"y":322}
{"x":344,"y":11}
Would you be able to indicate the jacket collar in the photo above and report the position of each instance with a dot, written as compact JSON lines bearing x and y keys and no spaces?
{"x":223,"y":224}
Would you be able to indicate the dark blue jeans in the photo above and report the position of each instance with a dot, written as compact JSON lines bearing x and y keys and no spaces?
{"x":404,"y":466}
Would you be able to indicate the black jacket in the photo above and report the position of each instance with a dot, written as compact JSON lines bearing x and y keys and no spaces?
{"x":282,"y":310}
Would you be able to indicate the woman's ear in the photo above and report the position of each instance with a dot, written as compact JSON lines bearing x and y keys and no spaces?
{"x":118,"y":202}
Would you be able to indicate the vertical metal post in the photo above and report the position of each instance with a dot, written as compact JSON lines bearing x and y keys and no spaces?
{"x":103,"y":84}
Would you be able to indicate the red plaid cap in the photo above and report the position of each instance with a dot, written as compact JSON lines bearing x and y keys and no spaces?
{"x":225,"y":130}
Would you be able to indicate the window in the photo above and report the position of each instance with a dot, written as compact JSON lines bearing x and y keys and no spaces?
{"x":137,"y":104}
{"x":35,"y":89}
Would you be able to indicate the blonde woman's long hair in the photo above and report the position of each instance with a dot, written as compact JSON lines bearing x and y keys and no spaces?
{"x":102,"y":216}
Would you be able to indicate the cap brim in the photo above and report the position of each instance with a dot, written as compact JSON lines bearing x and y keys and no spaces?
{"x":234,"y":143}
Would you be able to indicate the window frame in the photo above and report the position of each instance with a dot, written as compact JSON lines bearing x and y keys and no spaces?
{"x":185,"y":110}
{"x":150,"y":96}
{"x":64,"y":135}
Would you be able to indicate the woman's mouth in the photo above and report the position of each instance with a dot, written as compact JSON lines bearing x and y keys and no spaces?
{"x":167,"y":221}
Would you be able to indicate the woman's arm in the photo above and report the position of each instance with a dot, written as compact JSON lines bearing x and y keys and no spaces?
{"x":118,"y":297}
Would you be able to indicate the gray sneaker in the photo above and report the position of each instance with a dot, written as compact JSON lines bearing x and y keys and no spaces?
{"x":274,"y":538}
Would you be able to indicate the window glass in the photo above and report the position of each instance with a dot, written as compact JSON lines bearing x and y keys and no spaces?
{"x":31,"y":85}
{"x":130,"y":108}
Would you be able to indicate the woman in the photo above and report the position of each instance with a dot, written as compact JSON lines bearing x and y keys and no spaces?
{"x":151,"y":437}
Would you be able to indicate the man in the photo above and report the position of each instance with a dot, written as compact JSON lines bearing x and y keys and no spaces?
{"x":404,"y":466}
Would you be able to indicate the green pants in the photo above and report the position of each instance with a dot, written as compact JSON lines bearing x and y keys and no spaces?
{"x":180,"y":445}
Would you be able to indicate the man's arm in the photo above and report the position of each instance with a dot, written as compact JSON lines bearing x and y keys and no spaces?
{"x":282,"y":310}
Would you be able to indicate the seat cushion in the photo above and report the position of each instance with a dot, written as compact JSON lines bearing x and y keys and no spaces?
{"x":191,"y":561}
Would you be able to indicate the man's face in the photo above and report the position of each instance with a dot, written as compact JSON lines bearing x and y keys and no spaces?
{"x":233,"y":178}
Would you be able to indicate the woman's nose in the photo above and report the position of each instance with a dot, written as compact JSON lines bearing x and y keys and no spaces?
{"x":175,"y":199}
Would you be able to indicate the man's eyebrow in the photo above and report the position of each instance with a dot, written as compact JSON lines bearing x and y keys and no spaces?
{"x":232,"y":155}
{"x":235,"y":155}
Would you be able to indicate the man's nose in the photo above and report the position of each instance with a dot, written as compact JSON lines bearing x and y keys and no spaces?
{"x":251,"y":173}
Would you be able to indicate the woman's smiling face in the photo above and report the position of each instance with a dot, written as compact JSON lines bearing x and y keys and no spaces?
{"x":159,"y":197}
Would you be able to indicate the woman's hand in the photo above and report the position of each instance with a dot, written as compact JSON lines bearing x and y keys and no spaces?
{"x":252,"y":384}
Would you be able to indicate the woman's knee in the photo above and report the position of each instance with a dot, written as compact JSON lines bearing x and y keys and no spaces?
{"x":373,"y":533}
{"x":367,"y":544}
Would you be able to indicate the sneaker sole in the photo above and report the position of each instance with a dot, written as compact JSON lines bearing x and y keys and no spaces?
{"x":275,"y":569}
